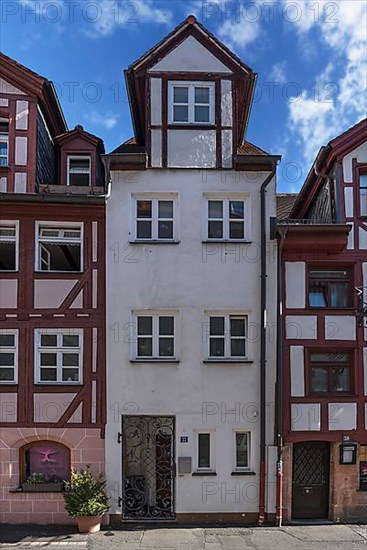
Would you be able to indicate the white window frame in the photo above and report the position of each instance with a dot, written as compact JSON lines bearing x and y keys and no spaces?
{"x":155,"y":357}
{"x":362,"y":192}
{"x":61,"y":225}
{"x":12,"y":223}
{"x":59,"y":350}
{"x":79,"y":157}
{"x":154,"y":219}
{"x":191,"y":85}
{"x":227,"y":335}
{"x":4,"y":138}
{"x":14,"y":350}
{"x":249,"y":450}
{"x":211,"y":434}
{"x":226,"y":219}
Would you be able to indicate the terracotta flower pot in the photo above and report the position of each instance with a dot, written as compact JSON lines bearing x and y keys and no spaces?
{"x":89,"y":524}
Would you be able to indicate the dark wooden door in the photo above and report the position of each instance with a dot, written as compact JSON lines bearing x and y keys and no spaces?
{"x":310,"y":494}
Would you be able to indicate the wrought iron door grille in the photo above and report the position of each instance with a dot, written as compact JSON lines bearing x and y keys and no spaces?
{"x":148,"y":467}
{"x":308,"y":465}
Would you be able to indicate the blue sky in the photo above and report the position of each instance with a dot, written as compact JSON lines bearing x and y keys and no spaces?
{"x":310,"y":57}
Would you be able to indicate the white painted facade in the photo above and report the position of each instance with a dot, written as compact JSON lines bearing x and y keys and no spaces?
{"x":191,"y":279}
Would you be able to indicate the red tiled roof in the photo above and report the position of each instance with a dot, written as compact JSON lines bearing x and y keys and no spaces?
{"x":248,"y":148}
{"x":285,"y":202}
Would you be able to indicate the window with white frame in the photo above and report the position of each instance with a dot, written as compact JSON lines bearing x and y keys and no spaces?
{"x":79,"y":170}
{"x":155,"y":336}
{"x":154,"y":219}
{"x":59,"y":248}
{"x":242,"y":450}
{"x":226,"y":219}
{"x":8,"y":246}
{"x":204,"y":451}
{"x":59,"y":356}
{"x":227,"y":336}
{"x":8,"y":356}
{"x":4,"y":142}
{"x":191,"y":102}
{"x":363,"y":194}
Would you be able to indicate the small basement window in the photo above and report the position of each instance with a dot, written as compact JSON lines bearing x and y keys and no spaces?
{"x":79,"y":171}
{"x":59,"y":248}
{"x":48,"y":458}
{"x":8,"y":246}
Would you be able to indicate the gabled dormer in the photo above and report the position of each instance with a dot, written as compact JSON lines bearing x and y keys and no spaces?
{"x":190,"y":99}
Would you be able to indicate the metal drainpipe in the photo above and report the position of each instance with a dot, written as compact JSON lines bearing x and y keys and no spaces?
{"x":262,"y":487}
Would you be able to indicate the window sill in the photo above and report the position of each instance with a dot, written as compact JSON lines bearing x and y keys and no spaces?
{"x":57,"y":384}
{"x":155,"y":360}
{"x":225,"y":241}
{"x":191,"y":125}
{"x":4,"y":168}
{"x":244,"y":473}
{"x":204,"y":473}
{"x":226,"y":360}
{"x":155,"y":241}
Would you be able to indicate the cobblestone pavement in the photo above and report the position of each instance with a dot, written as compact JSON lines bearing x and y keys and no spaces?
{"x":305,"y":537}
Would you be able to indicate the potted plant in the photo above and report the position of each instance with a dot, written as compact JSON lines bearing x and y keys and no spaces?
{"x":86,"y":499}
{"x":39,"y":483}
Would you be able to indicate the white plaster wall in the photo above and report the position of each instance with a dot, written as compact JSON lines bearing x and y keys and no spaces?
{"x":21,"y":117}
{"x":49,"y":407}
{"x":190,"y":56}
{"x":348,"y":197}
{"x":8,"y":407}
{"x":7,"y":88}
{"x":4,"y":102}
{"x":360,"y":153}
{"x":3,"y":185}
{"x":305,"y":417}
{"x":340,"y":327}
{"x":156,"y":144}
{"x":301,"y":327}
{"x":51,"y":294}
{"x":363,"y":237}
{"x":350,"y":244}
{"x":226,"y":102}
{"x":342,"y":416}
{"x":190,"y":277}
{"x":20,"y":182}
{"x":8,"y":293}
{"x":297,"y":371}
{"x":295,"y":285}
{"x":21,"y":153}
{"x":227,"y":148}
{"x":156,"y":101}
{"x":191,"y":148}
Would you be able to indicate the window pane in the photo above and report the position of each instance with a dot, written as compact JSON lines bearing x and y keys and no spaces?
{"x":321,"y":275}
{"x":216,"y":326}
{"x":204,"y":450}
{"x":7,"y":359}
{"x":236,"y":230}
{"x":215,"y":230}
{"x":48,"y":340}
{"x":202,"y":114}
{"x":166,"y":326}
{"x":340,"y":379}
{"x":237,"y":327}
{"x":319,"y":379}
{"x":144,"y":209}
{"x":317,"y":296}
{"x":166,"y":347}
{"x":238,"y":348}
{"x":6,"y":374}
{"x":70,"y":375}
{"x":48,"y":359}
{"x":145,"y":347}
{"x":165,"y":209}
{"x":330,"y":357}
{"x":145,"y":326}
{"x":165,"y":230}
{"x":70,"y":340}
{"x":339,"y":294}
{"x":70,"y":359}
{"x":236,"y":209}
{"x":216,"y":347}
{"x":79,"y":164}
{"x":202,"y":95}
{"x":180,"y":94}
{"x":144,"y":230}
{"x":79,"y":179}
{"x":180,"y":113}
{"x":48,"y":375}
{"x":241,"y":450}
{"x":60,"y":256}
{"x":7,"y":340}
{"x":215,"y":209}
{"x":48,"y":458}
{"x":7,"y":255}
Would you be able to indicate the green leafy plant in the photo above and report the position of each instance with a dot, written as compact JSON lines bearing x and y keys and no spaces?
{"x":85,"y":494}
{"x":36,"y":478}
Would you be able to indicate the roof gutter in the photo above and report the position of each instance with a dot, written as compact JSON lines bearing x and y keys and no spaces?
{"x":263,"y":305}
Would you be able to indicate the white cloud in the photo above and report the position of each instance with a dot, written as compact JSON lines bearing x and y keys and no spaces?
{"x":342,"y":85}
{"x":105,"y":121}
{"x":277,"y":72}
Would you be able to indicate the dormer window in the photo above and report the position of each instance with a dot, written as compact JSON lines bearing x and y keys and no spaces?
{"x":79,"y":171}
{"x":191,"y":102}
{"x":4,"y":142}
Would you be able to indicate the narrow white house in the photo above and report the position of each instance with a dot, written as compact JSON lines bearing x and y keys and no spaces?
{"x":191,"y":293}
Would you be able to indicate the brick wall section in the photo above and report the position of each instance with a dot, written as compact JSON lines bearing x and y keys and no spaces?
{"x":86,"y":447}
